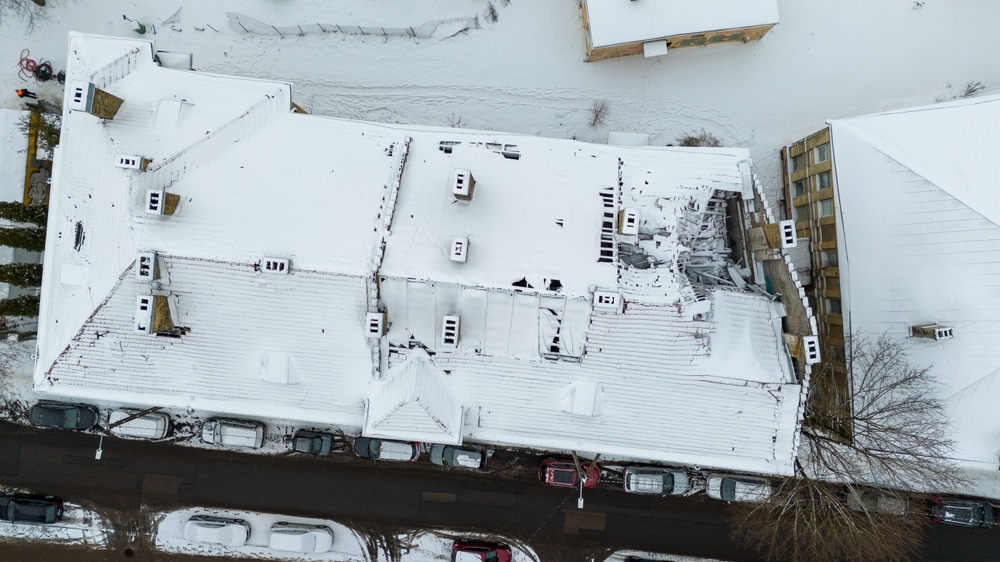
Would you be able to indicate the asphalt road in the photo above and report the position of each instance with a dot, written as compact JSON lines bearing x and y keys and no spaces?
{"x":380,"y":498}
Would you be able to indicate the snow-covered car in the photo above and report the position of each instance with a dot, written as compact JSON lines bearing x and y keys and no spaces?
{"x":385,"y":450}
{"x":456,"y":457}
{"x":876,"y":501}
{"x":479,"y":551}
{"x":312,"y":443}
{"x":30,"y":508}
{"x":965,"y":513}
{"x":152,"y":425}
{"x":300,"y":537}
{"x":563,"y":473}
{"x":216,"y":530}
{"x":63,"y":416}
{"x":234,"y":433}
{"x":738,"y":488}
{"x":655,"y":480}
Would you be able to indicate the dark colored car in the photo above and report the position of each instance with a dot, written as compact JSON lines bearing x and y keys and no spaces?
{"x":479,"y":551}
{"x":385,"y":450}
{"x":456,"y":457}
{"x":63,"y":416}
{"x":312,"y":443}
{"x":562,"y":473}
{"x":965,"y":513}
{"x":31,"y":508}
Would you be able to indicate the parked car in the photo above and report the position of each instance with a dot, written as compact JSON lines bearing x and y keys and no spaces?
{"x":31,"y":508}
{"x":300,"y":537}
{"x":152,"y":425}
{"x":965,"y":513}
{"x":479,"y":551}
{"x":312,"y":443}
{"x":385,"y":450}
{"x":876,"y":501}
{"x":216,"y":530}
{"x":63,"y":416}
{"x":654,"y":480}
{"x":562,"y":473}
{"x":234,"y":433}
{"x":456,"y":457}
{"x":738,"y":488}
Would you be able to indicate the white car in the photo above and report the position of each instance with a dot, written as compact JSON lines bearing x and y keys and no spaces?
{"x":234,"y":433}
{"x":152,"y":425}
{"x":300,"y":537}
{"x":738,"y":488}
{"x":385,"y":450}
{"x":216,"y":530}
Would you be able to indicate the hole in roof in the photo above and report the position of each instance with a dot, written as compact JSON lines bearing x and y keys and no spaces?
{"x":523,"y":283}
{"x":78,"y":237}
{"x":555,"y":285}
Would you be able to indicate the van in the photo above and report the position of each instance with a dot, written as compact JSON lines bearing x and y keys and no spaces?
{"x":151,"y":425}
{"x":233,"y":433}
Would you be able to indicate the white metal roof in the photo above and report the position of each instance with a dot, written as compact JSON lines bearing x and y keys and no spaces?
{"x":919,"y":242}
{"x":664,"y":373}
{"x":613,"y":22}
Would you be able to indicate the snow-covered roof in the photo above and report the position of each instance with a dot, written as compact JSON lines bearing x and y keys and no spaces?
{"x":560,"y":331}
{"x":614,"y":22}
{"x":919,"y":242}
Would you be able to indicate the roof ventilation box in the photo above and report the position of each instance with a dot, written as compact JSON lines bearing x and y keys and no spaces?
{"x":450,"y":332}
{"x":375,"y":324}
{"x":132,"y":162}
{"x":462,"y":184}
{"x":277,"y":266}
{"x":932,"y":332}
{"x":145,"y":267}
{"x":159,"y":202}
{"x":607,"y":301}
{"x":144,"y":314}
{"x":628,"y":221}
{"x":459,"y":249}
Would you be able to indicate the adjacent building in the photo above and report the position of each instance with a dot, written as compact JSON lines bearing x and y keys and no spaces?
{"x":619,"y":28}
{"x":210,"y":248}
{"x":902,"y":216}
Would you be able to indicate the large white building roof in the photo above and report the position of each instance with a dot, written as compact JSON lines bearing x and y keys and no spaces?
{"x":614,"y":22}
{"x":659,"y":369}
{"x":919,"y":240}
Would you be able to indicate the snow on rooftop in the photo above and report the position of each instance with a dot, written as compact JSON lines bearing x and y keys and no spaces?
{"x":920,"y":244}
{"x":563,"y":329}
{"x":613,"y":22}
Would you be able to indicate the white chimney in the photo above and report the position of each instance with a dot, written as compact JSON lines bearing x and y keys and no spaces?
{"x":277,"y":266}
{"x":810,"y":344}
{"x":131,"y":162}
{"x":145,"y":267}
{"x":144,"y":314}
{"x":459,"y":249}
{"x":155,"y":201}
{"x":82,"y":92}
{"x":450,"y":332}
{"x":628,"y":221}
{"x":788,"y":238}
{"x":375,"y":324}
{"x":462,"y":184}
{"x":607,"y":301}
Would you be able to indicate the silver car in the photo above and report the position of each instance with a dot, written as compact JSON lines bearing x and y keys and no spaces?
{"x":655,"y":480}
{"x":456,"y":457}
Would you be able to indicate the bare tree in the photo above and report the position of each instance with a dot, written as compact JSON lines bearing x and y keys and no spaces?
{"x":892,"y":435}
{"x":808,"y":519}
{"x":895,"y":434}
{"x":599,"y":112}
{"x":31,"y":12}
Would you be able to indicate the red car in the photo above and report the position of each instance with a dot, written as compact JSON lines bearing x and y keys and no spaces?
{"x":478,"y":551}
{"x":562,"y":473}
